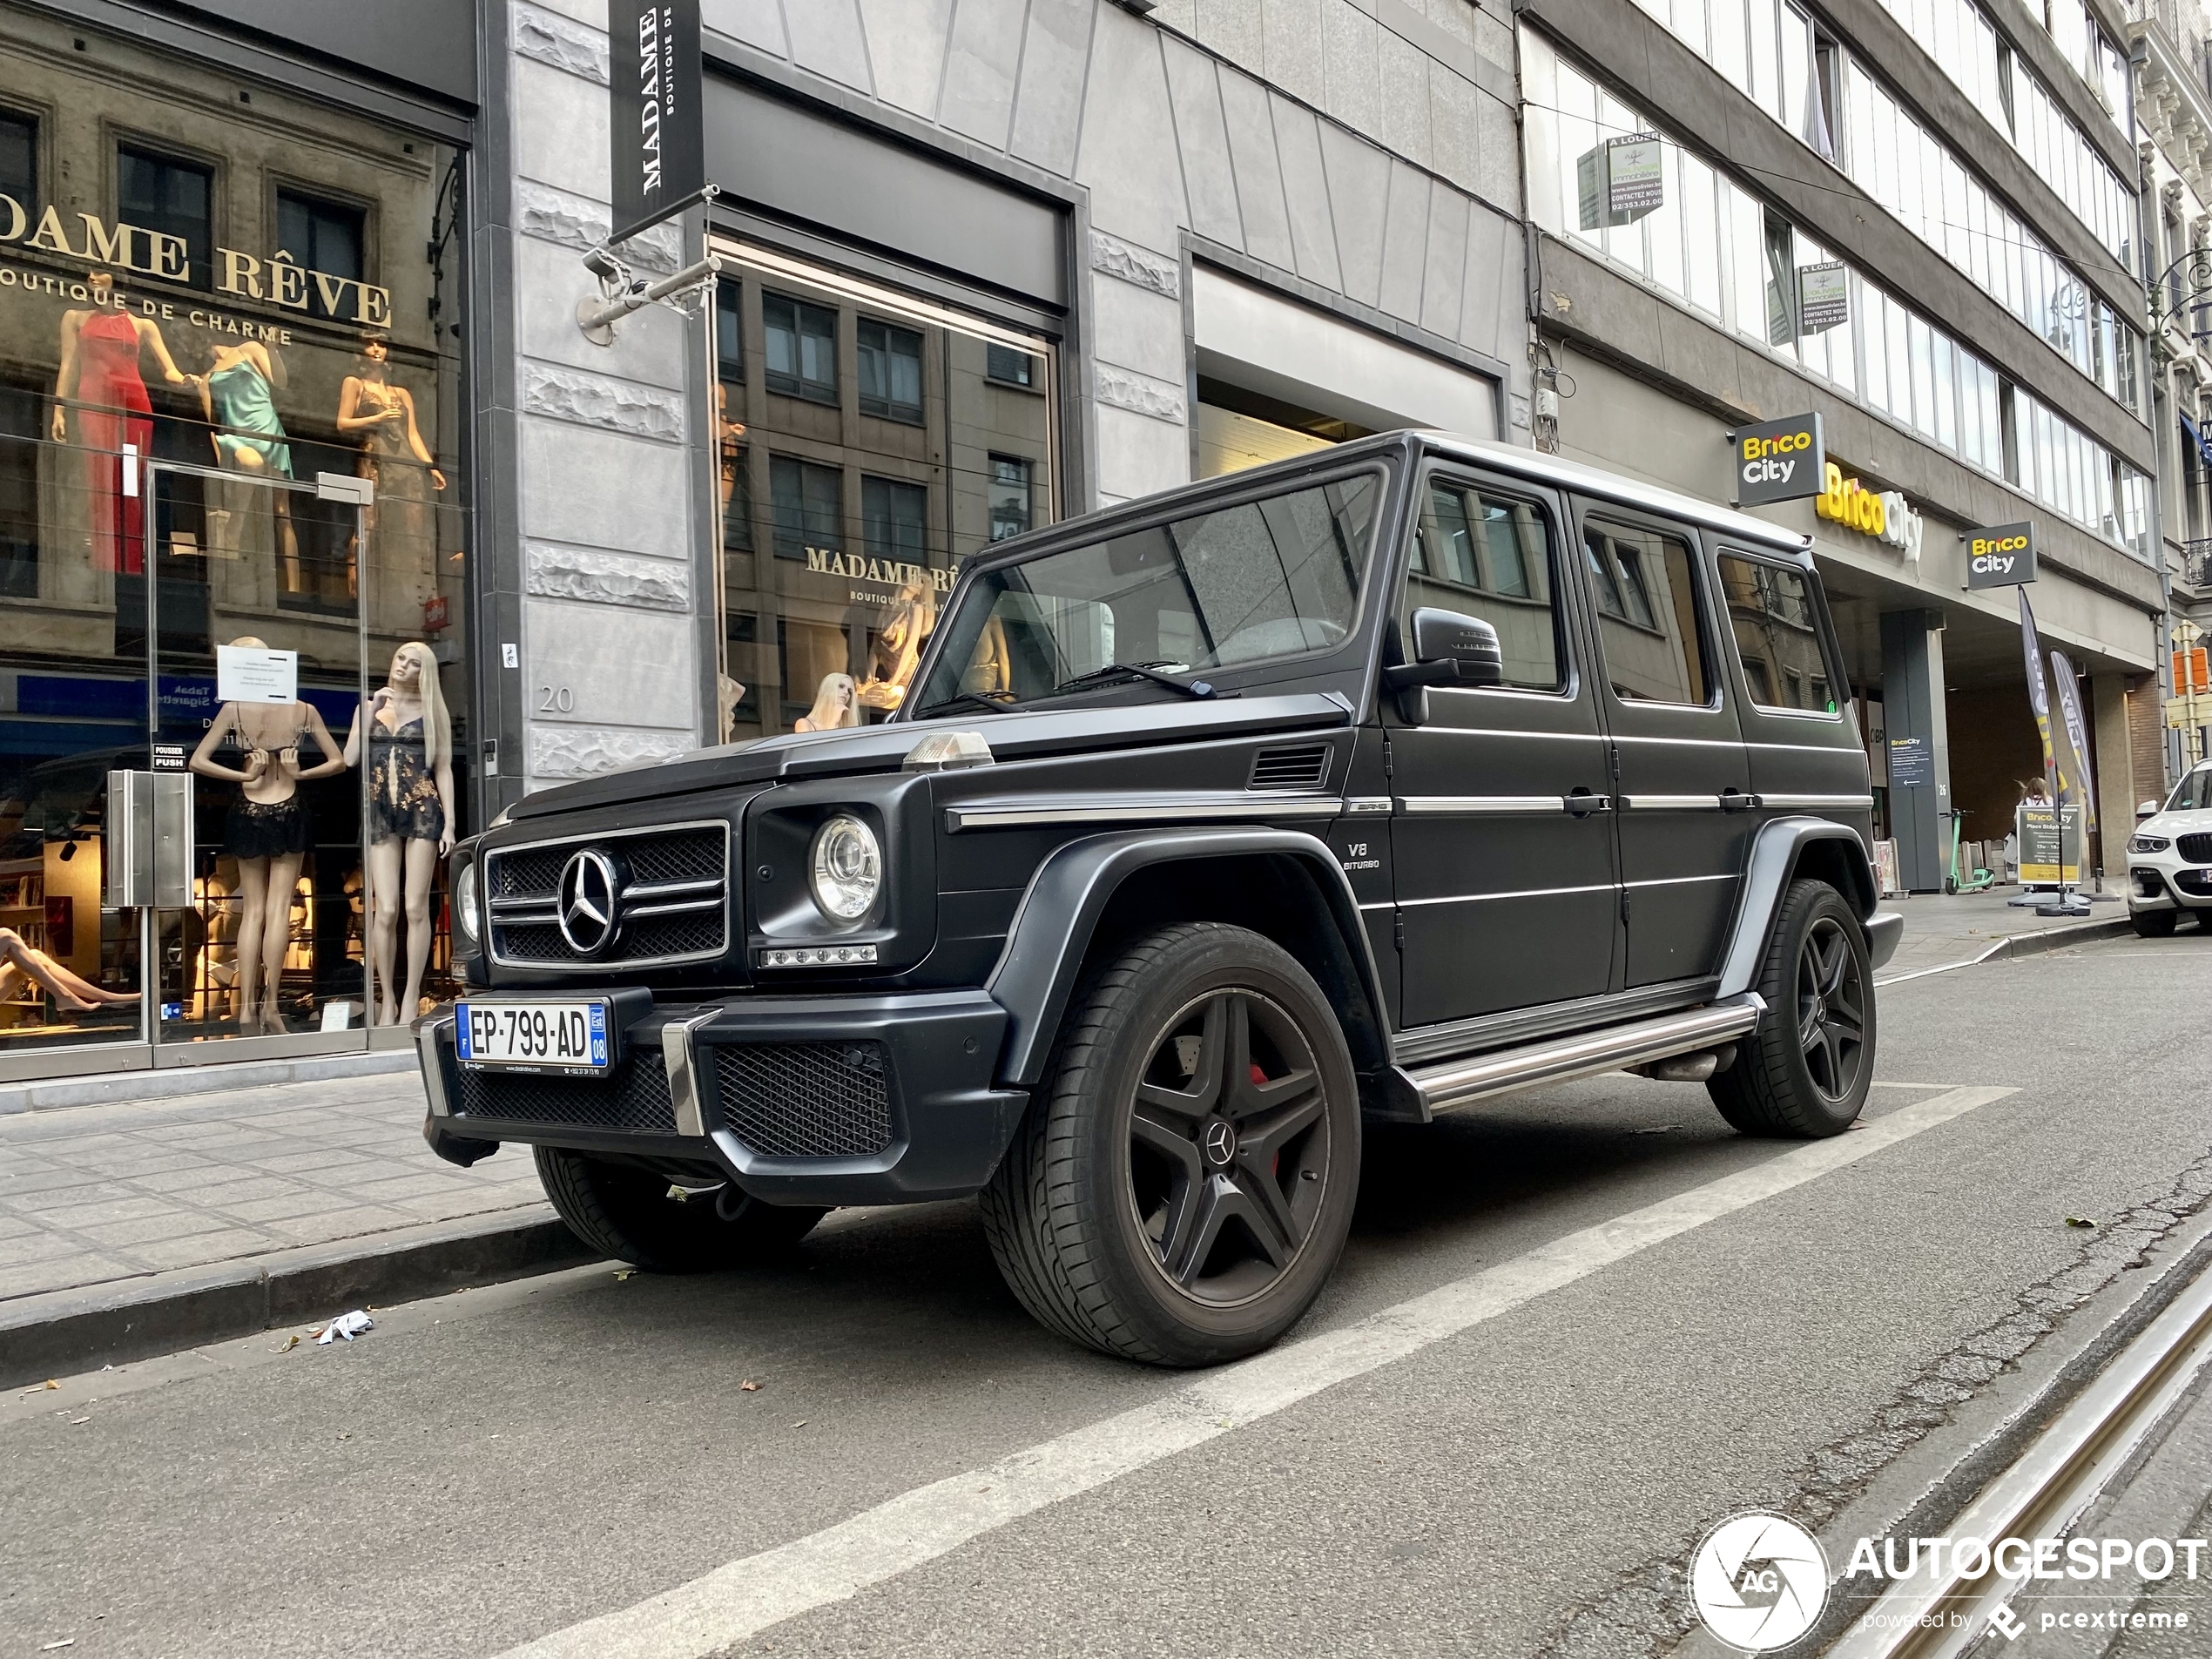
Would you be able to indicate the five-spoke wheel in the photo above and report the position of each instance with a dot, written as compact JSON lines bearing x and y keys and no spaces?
{"x":1183,"y":1181}
{"x":1805,"y":1071}
{"x":1831,"y":1008}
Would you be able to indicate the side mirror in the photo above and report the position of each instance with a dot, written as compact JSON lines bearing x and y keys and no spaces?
{"x":2146,"y":809}
{"x":1449,"y":648}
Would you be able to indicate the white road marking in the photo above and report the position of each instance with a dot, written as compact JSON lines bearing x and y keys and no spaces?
{"x":745,"y":1596}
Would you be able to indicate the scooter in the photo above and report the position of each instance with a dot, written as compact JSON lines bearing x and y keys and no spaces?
{"x":1981,"y":881}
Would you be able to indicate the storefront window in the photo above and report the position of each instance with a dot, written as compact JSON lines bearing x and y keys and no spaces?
{"x":886,"y":439}
{"x":232,"y":555}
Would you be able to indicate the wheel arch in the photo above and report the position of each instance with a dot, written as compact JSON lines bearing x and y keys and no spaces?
{"x":1785,"y":849}
{"x":1282,"y":884}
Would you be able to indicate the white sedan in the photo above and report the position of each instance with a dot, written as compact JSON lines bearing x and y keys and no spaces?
{"x":2169,"y":859}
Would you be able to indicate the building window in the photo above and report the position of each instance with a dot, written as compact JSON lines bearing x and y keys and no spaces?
{"x":729,"y":333}
{"x":19,"y":161}
{"x":169,"y":197}
{"x":1009,"y":366}
{"x":802,"y":347}
{"x":322,"y":236}
{"x":1010,"y":478}
{"x":894,"y":520}
{"x":890,"y":372}
{"x":736,"y":498}
{"x":809,"y":504}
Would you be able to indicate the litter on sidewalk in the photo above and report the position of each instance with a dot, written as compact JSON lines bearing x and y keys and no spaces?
{"x":348,"y":1325}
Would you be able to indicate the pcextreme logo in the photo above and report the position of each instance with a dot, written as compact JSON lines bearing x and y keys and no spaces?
{"x":1758,"y":1582}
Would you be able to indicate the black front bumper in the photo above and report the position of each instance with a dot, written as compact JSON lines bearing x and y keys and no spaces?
{"x":819,"y":1100}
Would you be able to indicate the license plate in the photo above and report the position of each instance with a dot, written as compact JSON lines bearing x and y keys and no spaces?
{"x":569,"y":1037}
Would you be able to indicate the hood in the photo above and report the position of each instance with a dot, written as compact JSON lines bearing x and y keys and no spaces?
{"x":2172,"y":824}
{"x":1017,"y":735}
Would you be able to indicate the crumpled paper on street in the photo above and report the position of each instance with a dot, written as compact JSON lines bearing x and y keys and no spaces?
{"x":348,"y":1325}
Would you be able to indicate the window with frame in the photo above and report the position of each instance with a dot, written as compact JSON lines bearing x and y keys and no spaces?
{"x":1490,"y":557}
{"x":19,"y":161}
{"x":1645,"y":585}
{"x":174,"y":198}
{"x":890,"y":370}
{"x":323,"y":236}
{"x":801,"y":348}
{"x":809,"y":502}
{"x":728,"y":332}
{"x":1009,"y":496}
{"x":1777,"y":636}
{"x":1009,"y":366}
{"x":894,"y":519}
{"x":737,"y":497}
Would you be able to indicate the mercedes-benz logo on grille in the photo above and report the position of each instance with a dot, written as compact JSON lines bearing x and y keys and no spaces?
{"x":588,"y":896}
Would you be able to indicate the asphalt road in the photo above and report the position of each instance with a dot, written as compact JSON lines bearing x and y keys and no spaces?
{"x":1503,"y":1428}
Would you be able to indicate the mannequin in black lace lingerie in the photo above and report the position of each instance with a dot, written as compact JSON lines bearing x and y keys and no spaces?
{"x":409,"y":738}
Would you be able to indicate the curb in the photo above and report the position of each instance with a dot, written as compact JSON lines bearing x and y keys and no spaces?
{"x":170,"y":1083}
{"x":70,"y":1331}
{"x":2030,"y":944}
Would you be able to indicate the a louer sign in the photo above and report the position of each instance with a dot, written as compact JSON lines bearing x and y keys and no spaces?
{"x":660,"y":145}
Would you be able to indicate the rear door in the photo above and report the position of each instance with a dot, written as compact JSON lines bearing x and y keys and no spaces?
{"x":1805,"y":751}
{"x":1683,"y":783}
{"x":1500,"y":825}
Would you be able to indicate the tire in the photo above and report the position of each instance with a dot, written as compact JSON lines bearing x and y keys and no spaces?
{"x":2154,"y":924}
{"x":1142,"y":1224}
{"x":626,"y":1213}
{"x":1805,"y":1071}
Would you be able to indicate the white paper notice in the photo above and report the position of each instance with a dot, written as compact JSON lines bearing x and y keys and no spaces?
{"x":250,"y":674}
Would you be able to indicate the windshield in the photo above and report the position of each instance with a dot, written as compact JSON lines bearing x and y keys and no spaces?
{"x":2193,"y":793}
{"x":1276,"y":577}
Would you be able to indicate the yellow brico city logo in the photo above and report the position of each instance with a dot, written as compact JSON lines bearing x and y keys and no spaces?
{"x":1885,"y":515}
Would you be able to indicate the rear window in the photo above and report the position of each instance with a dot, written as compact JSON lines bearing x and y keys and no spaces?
{"x":1777,"y":636}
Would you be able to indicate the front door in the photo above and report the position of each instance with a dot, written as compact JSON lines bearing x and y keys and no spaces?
{"x":1684,"y":818}
{"x":1501,"y":830}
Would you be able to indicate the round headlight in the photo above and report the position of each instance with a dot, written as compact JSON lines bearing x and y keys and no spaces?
{"x":464,"y":903}
{"x":847,"y":869}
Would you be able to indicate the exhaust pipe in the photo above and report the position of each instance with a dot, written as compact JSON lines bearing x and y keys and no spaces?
{"x":1688,"y":1067}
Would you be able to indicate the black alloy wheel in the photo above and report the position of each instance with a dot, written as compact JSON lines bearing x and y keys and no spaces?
{"x":1228,"y":1146}
{"x":1832,"y":1009}
{"x":1183,"y":1183}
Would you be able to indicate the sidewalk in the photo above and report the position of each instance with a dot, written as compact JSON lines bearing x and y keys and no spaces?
{"x":1950,"y":930}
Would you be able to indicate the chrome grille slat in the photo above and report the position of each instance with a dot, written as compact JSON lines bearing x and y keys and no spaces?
{"x":673,"y":906}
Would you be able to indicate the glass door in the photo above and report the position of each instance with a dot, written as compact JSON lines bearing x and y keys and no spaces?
{"x":257,"y":938}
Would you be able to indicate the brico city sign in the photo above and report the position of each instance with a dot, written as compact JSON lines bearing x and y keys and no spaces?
{"x":1778,"y":460}
{"x":1885,"y":515}
{"x":2000,"y":556}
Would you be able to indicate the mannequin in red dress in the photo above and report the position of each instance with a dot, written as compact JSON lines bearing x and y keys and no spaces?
{"x":99,"y":379}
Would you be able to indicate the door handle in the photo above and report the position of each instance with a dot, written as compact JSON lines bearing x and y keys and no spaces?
{"x":172,"y":840}
{"x":149,"y":832}
{"x":1582,"y":803}
{"x":1735,"y":800}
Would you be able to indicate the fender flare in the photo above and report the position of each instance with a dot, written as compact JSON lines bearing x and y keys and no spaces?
{"x":1035,"y":973}
{"x":1774,"y":856}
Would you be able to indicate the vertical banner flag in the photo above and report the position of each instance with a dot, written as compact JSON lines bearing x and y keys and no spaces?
{"x":658,"y":141}
{"x":2038,"y":698}
{"x":2077,"y":734}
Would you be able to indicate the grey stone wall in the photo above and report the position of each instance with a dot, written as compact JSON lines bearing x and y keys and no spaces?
{"x":1366,"y":148}
{"x":605,"y":558}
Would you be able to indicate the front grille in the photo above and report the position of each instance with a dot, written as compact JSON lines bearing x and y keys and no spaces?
{"x":2198,"y":848}
{"x":806,"y":1100}
{"x":2195,"y":882}
{"x":635,"y":1098}
{"x":681,"y":871}
{"x":1304,"y":767}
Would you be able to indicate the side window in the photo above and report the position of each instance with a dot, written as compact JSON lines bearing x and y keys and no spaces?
{"x":1646,"y":591}
{"x":1769,"y":611}
{"x":1490,"y":556}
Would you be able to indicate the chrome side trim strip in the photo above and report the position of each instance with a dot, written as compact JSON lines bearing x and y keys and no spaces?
{"x":1520,"y":892}
{"x":1816,"y":803}
{"x":1136,"y":809}
{"x":1671,"y":802}
{"x":1676,"y":881}
{"x":433,"y":1076}
{"x":683,"y":1075}
{"x":1481,"y":806}
{"x":1463,"y":1083}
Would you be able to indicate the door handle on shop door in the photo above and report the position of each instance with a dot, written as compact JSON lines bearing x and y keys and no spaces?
{"x":1582,"y":803}
{"x":149,"y":840}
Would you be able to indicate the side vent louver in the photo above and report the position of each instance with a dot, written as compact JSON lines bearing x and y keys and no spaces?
{"x":1304,"y":767}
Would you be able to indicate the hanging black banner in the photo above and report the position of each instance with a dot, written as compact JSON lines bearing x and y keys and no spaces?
{"x":658,"y":144}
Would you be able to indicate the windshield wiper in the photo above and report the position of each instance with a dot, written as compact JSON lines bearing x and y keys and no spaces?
{"x":1114,"y":671}
{"x":989,"y":701}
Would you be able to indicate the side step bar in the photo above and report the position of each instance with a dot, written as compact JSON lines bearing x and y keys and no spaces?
{"x":1461,"y":1082}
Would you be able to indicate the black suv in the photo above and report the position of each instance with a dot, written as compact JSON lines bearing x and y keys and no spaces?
{"x":1351,"y":790}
